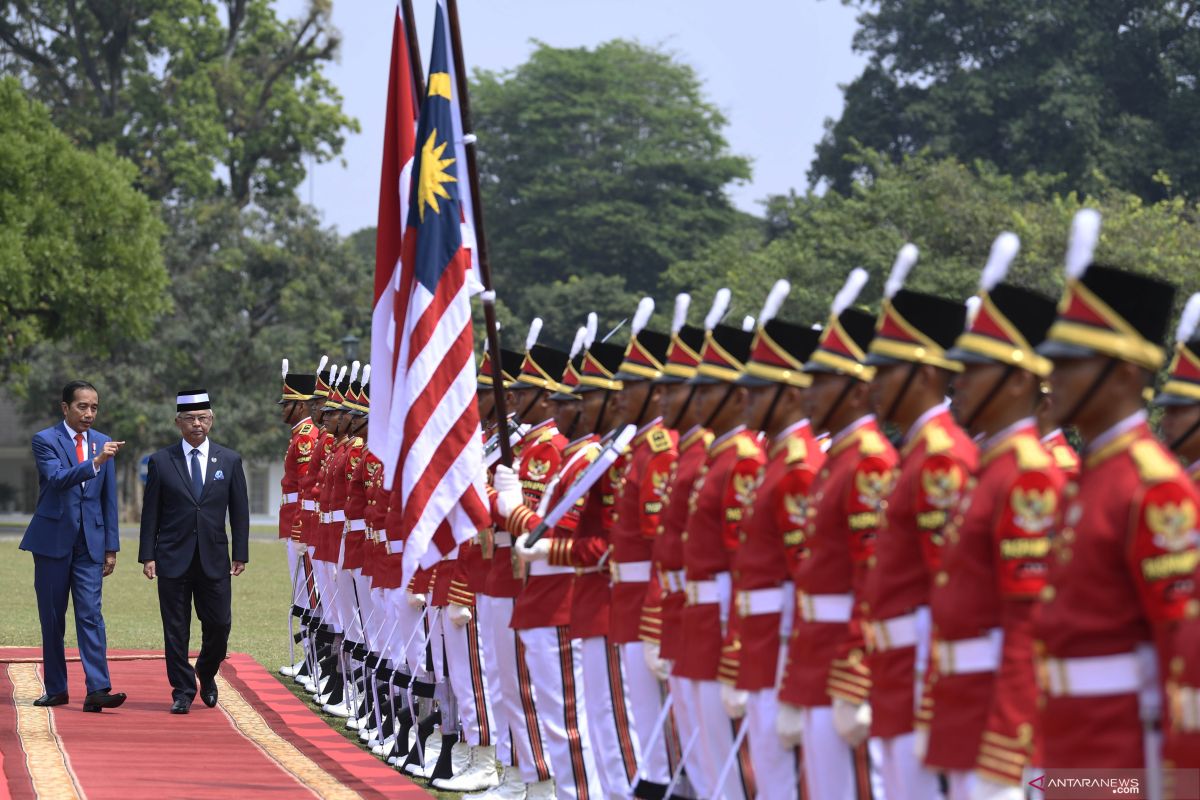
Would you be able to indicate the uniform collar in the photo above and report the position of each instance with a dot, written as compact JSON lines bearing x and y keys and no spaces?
{"x":999,"y":437}
{"x":1124,"y":426}
{"x":725,"y":437}
{"x":849,"y":430}
{"x":795,"y":427}
{"x":298,"y":424}
{"x":924,"y":420}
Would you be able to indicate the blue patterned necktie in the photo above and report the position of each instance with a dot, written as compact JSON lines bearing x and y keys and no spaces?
{"x":197,"y":476}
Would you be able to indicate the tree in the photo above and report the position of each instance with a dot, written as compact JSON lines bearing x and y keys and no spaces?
{"x":605,"y":162}
{"x":952,"y":212}
{"x":79,"y":246}
{"x":1062,"y":88}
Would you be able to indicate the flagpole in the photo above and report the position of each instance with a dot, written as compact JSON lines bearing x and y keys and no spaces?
{"x":481,"y":250}
{"x":414,"y":50}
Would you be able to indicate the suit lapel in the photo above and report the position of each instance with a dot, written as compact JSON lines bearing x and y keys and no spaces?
{"x":66,"y":446}
{"x":211,"y":469}
{"x":180,"y":466}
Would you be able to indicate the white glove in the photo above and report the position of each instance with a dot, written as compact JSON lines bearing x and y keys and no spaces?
{"x":505,"y":480}
{"x":852,"y":721}
{"x":415,"y":601}
{"x":986,"y":789}
{"x":734,"y":700}
{"x":660,"y":667}
{"x":789,"y":724}
{"x":508,"y":502}
{"x":458,"y":615}
{"x":539,"y":552}
{"x":920,"y":742}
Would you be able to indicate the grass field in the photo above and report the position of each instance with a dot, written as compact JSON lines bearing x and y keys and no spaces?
{"x":260,"y":611}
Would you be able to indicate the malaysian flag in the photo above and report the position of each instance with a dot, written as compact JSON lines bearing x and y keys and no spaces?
{"x":438,"y":483}
{"x":399,"y":147}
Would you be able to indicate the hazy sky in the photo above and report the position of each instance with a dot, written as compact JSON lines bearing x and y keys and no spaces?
{"x":771,"y":66}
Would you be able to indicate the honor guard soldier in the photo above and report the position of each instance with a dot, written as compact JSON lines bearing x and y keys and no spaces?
{"x":763,"y":594}
{"x":723,"y":490}
{"x":936,"y":459}
{"x":1180,"y":400}
{"x":994,"y":559}
{"x":638,"y":511}
{"x":298,"y":392}
{"x":1122,"y":561}
{"x":829,"y":538}
{"x":540,"y":458}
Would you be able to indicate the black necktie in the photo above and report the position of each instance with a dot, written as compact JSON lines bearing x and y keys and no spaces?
{"x":197,"y":476}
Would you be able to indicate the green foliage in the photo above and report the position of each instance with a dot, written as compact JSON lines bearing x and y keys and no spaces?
{"x":1059,"y":87}
{"x":952,"y":212}
{"x":79,"y":246}
{"x":606,"y":162}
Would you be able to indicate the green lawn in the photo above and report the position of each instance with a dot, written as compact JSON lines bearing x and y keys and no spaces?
{"x":260,"y":612}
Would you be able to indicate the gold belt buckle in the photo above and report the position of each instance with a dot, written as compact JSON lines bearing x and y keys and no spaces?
{"x":743,"y":603}
{"x":614,"y":571}
{"x":692,"y":592}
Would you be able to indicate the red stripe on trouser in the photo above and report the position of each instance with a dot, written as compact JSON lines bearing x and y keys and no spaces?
{"x":616,"y":687}
{"x":531,"y":729}
{"x":477,"y":683}
{"x":566,"y":664}
{"x":309,"y":582}
{"x":862,"y":771}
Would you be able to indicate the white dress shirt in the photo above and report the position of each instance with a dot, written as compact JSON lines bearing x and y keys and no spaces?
{"x":87,"y":454}
{"x":187,"y":458}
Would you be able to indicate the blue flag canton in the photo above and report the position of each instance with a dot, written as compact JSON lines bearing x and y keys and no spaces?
{"x":434,"y":208}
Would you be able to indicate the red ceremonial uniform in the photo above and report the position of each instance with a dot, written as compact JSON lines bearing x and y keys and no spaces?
{"x":545,"y":602}
{"x":1065,"y":457}
{"x":639,"y":509}
{"x":935,"y":463}
{"x":750,"y":659}
{"x":1182,"y":748}
{"x":719,"y":498}
{"x":828,"y":554}
{"x":354,"y":552}
{"x":327,"y":539}
{"x":663,"y":609}
{"x":310,"y":488}
{"x":993,"y":568}
{"x":295,"y":467}
{"x":1120,"y":573}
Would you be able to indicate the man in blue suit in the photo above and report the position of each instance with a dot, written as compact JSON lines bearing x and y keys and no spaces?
{"x":74,"y":540}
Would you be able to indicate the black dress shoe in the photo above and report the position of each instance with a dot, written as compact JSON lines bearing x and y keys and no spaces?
{"x":181,"y":706}
{"x":209,"y":694}
{"x":59,"y":699}
{"x":95,"y":701}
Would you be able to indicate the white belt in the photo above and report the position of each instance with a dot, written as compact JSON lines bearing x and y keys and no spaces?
{"x":357,"y":525}
{"x":1185,"y":706}
{"x":289,"y":497}
{"x":544,"y":568}
{"x":759,"y":601}
{"x":502,"y":539}
{"x":1093,"y":676}
{"x":324,"y":516}
{"x":825,"y":607}
{"x":308,"y":505}
{"x":588,"y":570}
{"x":338,"y":516}
{"x":894,"y":633}
{"x":964,"y":656}
{"x":674,"y":580}
{"x":702,"y":593}
{"x":630,"y":571}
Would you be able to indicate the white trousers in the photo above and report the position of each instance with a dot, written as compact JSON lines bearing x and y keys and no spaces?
{"x":349,"y":620}
{"x":688,"y":724}
{"x":714,"y":741}
{"x":485,"y":609}
{"x":903,"y":776}
{"x":645,"y":696}
{"x":960,"y":783}
{"x":517,"y":697}
{"x":615,"y":742}
{"x":467,"y":665}
{"x":776,"y":772}
{"x":834,"y":770}
{"x":556,"y":668}
{"x":296,"y":573}
{"x":326,"y":585}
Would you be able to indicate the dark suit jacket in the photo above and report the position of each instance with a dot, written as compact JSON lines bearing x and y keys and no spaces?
{"x":174,"y":522}
{"x":72,"y":496}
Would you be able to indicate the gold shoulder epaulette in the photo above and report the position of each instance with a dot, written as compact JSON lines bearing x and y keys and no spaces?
{"x":746,"y":448}
{"x":1065,"y":457}
{"x":797,"y":451}
{"x":545,"y":436}
{"x":358,"y":442}
{"x":1153,"y":464}
{"x":871,"y":444}
{"x":305,"y":429}
{"x":1030,"y":453}
{"x":659,"y":440}
{"x":937,"y":440}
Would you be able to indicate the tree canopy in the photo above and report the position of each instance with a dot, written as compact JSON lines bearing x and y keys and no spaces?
{"x":602,"y":166}
{"x":79,"y":245}
{"x":1058,"y":87}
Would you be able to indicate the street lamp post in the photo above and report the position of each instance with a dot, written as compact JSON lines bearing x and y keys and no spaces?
{"x":350,"y":346}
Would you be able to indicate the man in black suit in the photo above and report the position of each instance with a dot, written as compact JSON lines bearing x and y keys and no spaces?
{"x":190,"y":487}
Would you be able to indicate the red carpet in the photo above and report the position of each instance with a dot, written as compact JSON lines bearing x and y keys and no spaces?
{"x":260,"y":740}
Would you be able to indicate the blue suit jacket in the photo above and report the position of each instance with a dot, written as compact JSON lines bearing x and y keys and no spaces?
{"x":72,"y":496}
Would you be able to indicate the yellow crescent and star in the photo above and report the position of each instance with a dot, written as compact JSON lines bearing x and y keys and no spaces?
{"x":433,"y":166}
